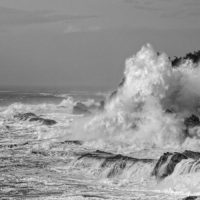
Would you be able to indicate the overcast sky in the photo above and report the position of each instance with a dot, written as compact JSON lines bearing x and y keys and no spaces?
{"x":85,"y":42}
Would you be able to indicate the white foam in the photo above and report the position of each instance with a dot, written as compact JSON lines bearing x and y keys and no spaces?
{"x":136,"y":114}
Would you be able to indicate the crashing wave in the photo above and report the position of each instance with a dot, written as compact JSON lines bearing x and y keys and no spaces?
{"x":150,"y":104}
{"x":154,"y":110}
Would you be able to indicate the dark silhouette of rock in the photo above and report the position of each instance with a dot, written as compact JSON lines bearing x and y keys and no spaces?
{"x":76,"y":142}
{"x":192,"y":154}
{"x":122,"y":82}
{"x":10,"y":146}
{"x":166,"y":164}
{"x":34,"y":118}
{"x":169,"y":111}
{"x":115,"y":163}
{"x":39,"y":153}
{"x":194,"y":57}
{"x":114,"y":93}
{"x":49,"y":122}
{"x":80,"y":108}
{"x":176,"y":62}
{"x":24,"y":116}
{"x":192,"y":121}
{"x":109,"y":156}
{"x":43,"y":121}
{"x":190,"y":198}
{"x":168,"y":161}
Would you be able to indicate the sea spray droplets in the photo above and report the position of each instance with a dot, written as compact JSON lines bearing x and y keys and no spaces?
{"x":135,"y":114}
{"x":146,"y":75}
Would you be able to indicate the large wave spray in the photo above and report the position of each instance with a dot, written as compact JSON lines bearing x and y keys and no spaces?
{"x":150,"y":104}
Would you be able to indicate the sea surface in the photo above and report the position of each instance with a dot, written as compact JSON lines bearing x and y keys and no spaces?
{"x":103,"y":145}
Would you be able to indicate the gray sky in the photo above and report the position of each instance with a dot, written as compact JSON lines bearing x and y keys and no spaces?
{"x":85,"y":42}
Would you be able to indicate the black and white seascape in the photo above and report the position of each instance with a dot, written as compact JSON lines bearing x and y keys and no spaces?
{"x":135,"y":136}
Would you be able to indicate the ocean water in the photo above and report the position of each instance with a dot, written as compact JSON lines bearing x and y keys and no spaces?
{"x":111,"y":150}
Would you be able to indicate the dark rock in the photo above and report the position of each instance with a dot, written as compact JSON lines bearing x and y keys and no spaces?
{"x":49,"y":122}
{"x":109,"y":156}
{"x":25,"y":116}
{"x":194,"y":57}
{"x":169,"y":111}
{"x":114,"y":164}
{"x":112,"y":95}
{"x":166,"y":164}
{"x":190,"y":198}
{"x":192,"y":121}
{"x":168,"y":161}
{"x":122,"y":82}
{"x":176,"y":62}
{"x":10,"y":146}
{"x":34,"y":118}
{"x":192,"y":154}
{"x":39,"y":153}
{"x":80,"y":108}
{"x":76,"y":142}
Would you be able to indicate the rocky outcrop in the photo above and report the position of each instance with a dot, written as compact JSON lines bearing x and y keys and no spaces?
{"x":48,"y":122}
{"x":191,"y":198}
{"x":24,"y":116}
{"x":167,"y":162}
{"x":80,"y":108}
{"x":75,"y":142}
{"x":31,"y":117}
{"x":113,"y":164}
{"x":194,"y":57}
{"x":191,"y":123}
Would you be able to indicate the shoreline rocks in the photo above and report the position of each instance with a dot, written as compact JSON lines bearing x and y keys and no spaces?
{"x":31,"y":117}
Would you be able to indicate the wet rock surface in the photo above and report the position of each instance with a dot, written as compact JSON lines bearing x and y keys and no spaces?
{"x":112,"y":157}
{"x":80,"y":108}
{"x":194,"y":57}
{"x":25,"y":116}
{"x":167,"y":162}
{"x":190,"y":198}
{"x":113,"y":164}
{"x":48,"y":122}
{"x":192,"y":121}
{"x":31,"y":117}
{"x":76,"y":142}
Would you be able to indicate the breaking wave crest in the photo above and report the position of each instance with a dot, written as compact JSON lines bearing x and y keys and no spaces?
{"x":149,"y":106}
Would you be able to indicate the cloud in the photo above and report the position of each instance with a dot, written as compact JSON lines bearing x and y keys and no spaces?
{"x":15,"y":17}
{"x":168,"y":8}
{"x":149,"y":5}
{"x":76,"y":29}
{"x":183,"y":12}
